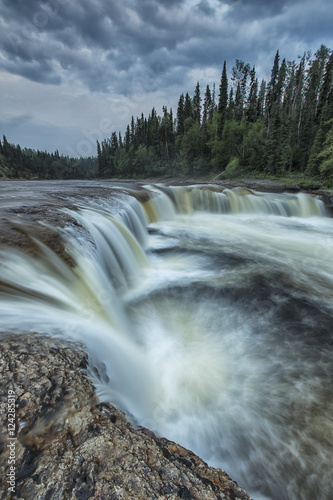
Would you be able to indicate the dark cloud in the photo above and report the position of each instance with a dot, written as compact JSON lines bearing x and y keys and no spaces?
{"x":41,"y":72}
{"x":260,"y":7}
{"x":84,"y":61}
{"x":120,"y":46}
{"x":205,"y":8}
{"x":127,"y":36}
{"x":20,"y":119}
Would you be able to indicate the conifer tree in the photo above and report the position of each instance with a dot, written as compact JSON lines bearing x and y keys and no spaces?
{"x":231,"y":105}
{"x":101,"y":165}
{"x":127,"y":138}
{"x":271,"y":88}
{"x":275,"y":70}
{"x":207,"y":107}
{"x":180,"y":115}
{"x":223,"y":95}
{"x":326,"y":87}
{"x":188,"y":107}
{"x":252,"y":106}
{"x":114,"y":142}
{"x":261,"y":100}
{"x":238,"y":103}
{"x":132,"y":131}
{"x":196,"y":104}
{"x":214,"y":107}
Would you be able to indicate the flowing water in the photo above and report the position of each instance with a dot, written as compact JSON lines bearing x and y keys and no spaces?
{"x":207,"y":316}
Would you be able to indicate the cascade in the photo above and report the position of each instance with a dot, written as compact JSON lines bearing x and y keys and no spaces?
{"x":83,"y":303}
{"x":159,"y":206}
{"x":119,"y":253}
{"x":203,"y":322}
{"x":214,"y":199}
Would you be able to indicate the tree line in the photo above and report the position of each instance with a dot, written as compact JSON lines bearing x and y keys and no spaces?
{"x":283,"y":126}
{"x":17,"y":162}
{"x":277,"y":127}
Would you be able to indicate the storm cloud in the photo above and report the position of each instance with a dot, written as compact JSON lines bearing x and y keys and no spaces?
{"x":136,"y":54}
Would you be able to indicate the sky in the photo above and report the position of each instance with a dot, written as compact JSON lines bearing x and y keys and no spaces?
{"x":74,"y":71}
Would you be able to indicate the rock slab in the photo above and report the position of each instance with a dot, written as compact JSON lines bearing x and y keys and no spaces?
{"x":69,"y":446}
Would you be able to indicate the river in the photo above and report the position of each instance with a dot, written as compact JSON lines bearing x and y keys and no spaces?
{"x":207,"y":316}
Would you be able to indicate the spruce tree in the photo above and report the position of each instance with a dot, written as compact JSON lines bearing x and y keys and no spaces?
{"x":180,"y":115}
{"x":275,"y":70}
{"x":297,"y":109}
{"x":207,"y":107}
{"x":196,"y":104}
{"x":273,"y":104}
{"x":231,"y":105}
{"x":223,"y":95}
{"x":252,"y":105}
{"x":238,"y":103}
{"x":261,"y":100}
{"x":188,"y":107}
{"x":133,"y":139}
{"x":127,"y":138}
{"x":271,"y":88}
{"x":114,"y":142}
{"x":326,"y":87}
{"x":99,"y":158}
{"x":214,"y":107}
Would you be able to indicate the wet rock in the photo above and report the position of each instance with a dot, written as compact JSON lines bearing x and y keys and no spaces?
{"x":23,"y":235}
{"x":69,"y":446}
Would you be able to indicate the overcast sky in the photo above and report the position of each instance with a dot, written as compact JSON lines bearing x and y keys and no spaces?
{"x":73,"y":71}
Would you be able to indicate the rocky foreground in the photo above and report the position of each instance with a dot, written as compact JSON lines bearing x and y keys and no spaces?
{"x":64,"y":444}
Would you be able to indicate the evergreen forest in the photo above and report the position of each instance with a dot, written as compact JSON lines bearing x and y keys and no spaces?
{"x":244,"y":127}
{"x":26,"y":163}
{"x":282,"y":127}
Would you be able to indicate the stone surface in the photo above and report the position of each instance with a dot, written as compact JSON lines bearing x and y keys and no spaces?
{"x":69,"y":446}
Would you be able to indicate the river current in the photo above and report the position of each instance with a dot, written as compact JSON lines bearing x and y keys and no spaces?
{"x":207,"y":316}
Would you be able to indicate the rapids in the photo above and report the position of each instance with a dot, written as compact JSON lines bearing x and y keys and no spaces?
{"x":207,"y":316}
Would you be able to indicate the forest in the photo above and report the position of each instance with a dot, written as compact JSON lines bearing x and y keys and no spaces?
{"x":242,"y":127}
{"x":282,"y":127}
{"x":26,"y":163}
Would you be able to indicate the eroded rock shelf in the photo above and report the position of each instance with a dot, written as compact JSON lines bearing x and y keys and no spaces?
{"x":69,"y":446}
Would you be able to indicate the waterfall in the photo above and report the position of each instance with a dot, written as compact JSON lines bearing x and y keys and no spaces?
{"x":159,"y":206}
{"x":84,"y":303}
{"x":206,"y":314}
{"x":214,"y":199}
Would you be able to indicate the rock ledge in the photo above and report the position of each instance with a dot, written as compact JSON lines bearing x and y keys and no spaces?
{"x":69,"y":446}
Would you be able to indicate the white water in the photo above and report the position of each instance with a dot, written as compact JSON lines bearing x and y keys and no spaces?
{"x":215,"y":330}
